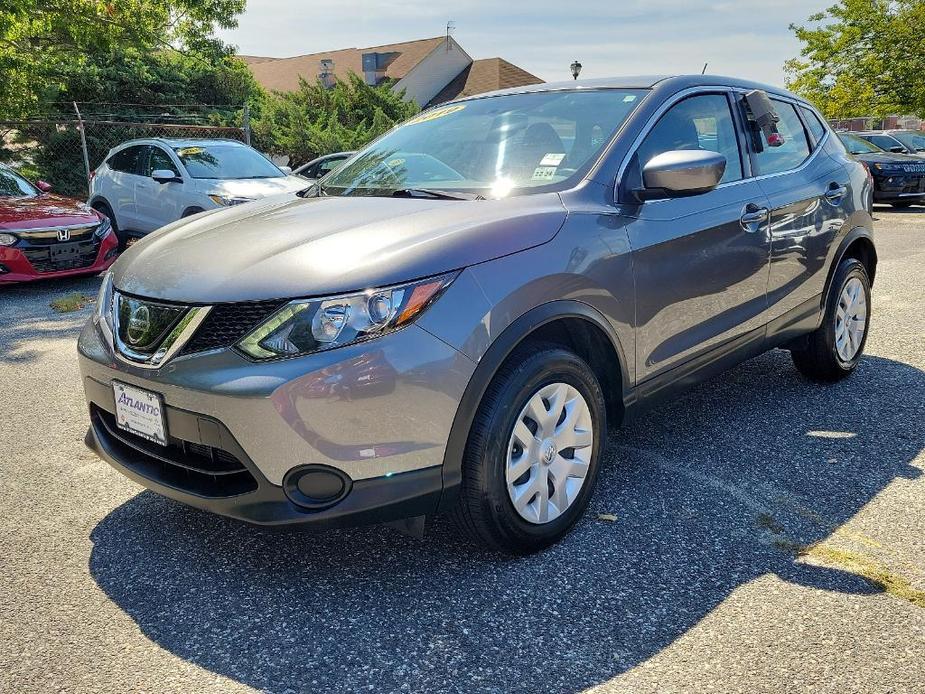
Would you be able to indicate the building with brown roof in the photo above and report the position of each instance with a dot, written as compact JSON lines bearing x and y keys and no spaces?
{"x":430,"y":71}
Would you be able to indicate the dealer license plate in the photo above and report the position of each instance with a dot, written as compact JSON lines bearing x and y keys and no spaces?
{"x":140,"y":412}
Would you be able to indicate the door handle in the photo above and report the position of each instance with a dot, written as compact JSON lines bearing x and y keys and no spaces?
{"x":753,"y":217}
{"x":835,"y":193}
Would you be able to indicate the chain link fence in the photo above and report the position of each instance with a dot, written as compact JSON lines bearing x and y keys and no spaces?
{"x":62,"y":150}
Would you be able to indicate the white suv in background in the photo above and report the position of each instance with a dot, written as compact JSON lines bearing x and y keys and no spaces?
{"x":144,"y":184}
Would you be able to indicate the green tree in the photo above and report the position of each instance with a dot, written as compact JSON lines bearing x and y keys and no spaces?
{"x":316,"y":120}
{"x":862,"y":58}
{"x":47,"y":45}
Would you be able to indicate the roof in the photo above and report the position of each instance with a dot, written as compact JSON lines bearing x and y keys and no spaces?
{"x":671,"y":83}
{"x":283,"y":74}
{"x":487,"y":75}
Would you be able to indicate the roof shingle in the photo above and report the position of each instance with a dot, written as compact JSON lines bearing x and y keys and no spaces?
{"x":485,"y":76}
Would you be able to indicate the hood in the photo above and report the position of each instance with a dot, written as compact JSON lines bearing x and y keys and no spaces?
{"x":257,"y":187}
{"x":43,"y":211}
{"x":289,"y":247}
{"x":889,"y":158}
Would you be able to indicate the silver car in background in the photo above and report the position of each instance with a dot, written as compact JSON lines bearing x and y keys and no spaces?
{"x":452,"y":321}
{"x":144,"y":184}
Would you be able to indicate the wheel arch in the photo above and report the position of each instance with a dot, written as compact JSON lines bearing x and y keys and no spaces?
{"x":857,"y":243}
{"x":570,"y":324}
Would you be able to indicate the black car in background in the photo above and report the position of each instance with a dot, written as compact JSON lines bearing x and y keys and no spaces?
{"x":899,"y":141}
{"x":899,"y":179}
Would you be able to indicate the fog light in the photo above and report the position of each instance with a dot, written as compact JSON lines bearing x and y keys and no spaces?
{"x":315,"y":487}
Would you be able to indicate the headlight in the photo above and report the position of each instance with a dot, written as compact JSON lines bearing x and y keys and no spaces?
{"x":228,"y":200}
{"x":312,"y":325}
{"x":7,"y":239}
{"x":103,"y":230}
{"x":103,"y":314}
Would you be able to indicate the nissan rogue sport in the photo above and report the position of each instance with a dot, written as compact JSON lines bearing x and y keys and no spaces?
{"x":452,"y":321}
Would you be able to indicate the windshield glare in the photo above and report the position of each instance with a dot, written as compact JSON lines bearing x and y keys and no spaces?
{"x":15,"y":186}
{"x":493,"y":146}
{"x":226,"y":161}
{"x":856,"y":145}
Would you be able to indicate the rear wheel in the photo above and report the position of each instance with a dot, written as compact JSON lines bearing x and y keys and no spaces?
{"x":532,"y":458}
{"x":835,"y":348}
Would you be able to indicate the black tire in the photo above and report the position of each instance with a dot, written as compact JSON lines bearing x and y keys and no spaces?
{"x":901,"y":205}
{"x":104,"y":209}
{"x":484,"y":510}
{"x":817,"y":357}
{"x":191,"y":211}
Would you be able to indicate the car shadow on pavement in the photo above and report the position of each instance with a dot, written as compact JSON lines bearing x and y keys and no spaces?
{"x":711,"y":491}
{"x":26,"y":316}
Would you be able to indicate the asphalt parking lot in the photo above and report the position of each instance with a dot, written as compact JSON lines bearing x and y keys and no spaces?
{"x":768,"y":537}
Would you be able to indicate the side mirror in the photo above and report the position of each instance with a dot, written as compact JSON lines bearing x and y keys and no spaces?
{"x":680,"y":173}
{"x":897,"y":149}
{"x":165,"y":176}
{"x":43,"y":186}
{"x":286,"y":169}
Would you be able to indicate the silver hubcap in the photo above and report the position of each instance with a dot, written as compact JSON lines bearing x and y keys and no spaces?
{"x":549,"y":453}
{"x":850,"y":319}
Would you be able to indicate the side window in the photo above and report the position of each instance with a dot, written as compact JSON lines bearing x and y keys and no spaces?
{"x":159,"y":159}
{"x":795,"y":148}
{"x":128,"y":160}
{"x":816,"y":127}
{"x":698,"y":122}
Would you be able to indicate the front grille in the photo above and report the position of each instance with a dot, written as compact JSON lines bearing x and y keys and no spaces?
{"x":228,"y":323}
{"x":185,"y":465}
{"x":50,"y":238}
{"x":40,"y":257}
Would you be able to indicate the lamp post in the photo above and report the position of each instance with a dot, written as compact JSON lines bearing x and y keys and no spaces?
{"x":576,"y":69}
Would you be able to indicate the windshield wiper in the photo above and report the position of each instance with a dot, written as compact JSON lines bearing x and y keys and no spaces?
{"x":435,"y":194}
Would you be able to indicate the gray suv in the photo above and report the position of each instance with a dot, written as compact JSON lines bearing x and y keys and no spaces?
{"x":450,"y":322}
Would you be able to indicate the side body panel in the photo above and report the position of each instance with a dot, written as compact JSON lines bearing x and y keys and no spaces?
{"x":701,"y":276}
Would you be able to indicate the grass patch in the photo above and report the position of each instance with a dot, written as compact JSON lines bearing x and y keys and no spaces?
{"x":71,"y":302}
{"x":873,"y":572}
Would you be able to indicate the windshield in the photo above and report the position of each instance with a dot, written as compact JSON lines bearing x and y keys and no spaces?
{"x":226,"y":161}
{"x":884,"y":142}
{"x":856,"y":145}
{"x":14,"y":185}
{"x":913,"y":140}
{"x":492,"y":146}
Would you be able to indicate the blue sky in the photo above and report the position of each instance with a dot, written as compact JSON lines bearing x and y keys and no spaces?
{"x":744,"y":38}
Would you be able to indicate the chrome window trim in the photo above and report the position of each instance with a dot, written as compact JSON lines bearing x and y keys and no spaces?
{"x":705,"y":90}
{"x":172,"y":344}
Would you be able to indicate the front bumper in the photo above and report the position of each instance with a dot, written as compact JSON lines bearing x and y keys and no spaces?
{"x":29,"y":262}
{"x":251,"y":497}
{"x":378,"y":414}
{"x":899,"y":187}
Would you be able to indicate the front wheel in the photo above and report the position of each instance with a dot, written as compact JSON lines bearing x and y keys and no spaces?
{"x":835,"y":348}
{"x":532,"y":458}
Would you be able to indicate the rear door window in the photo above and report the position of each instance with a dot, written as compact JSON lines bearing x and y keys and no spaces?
{"x":795,"y":149}
{"x":129,"y":160}
{"x":816,"y":127}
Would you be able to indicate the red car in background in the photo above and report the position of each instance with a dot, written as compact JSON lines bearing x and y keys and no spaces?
{"x":44,"y":235}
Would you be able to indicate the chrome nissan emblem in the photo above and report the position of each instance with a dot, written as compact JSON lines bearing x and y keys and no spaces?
{"x":549,"y":452}
{"x":139,"y":323}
